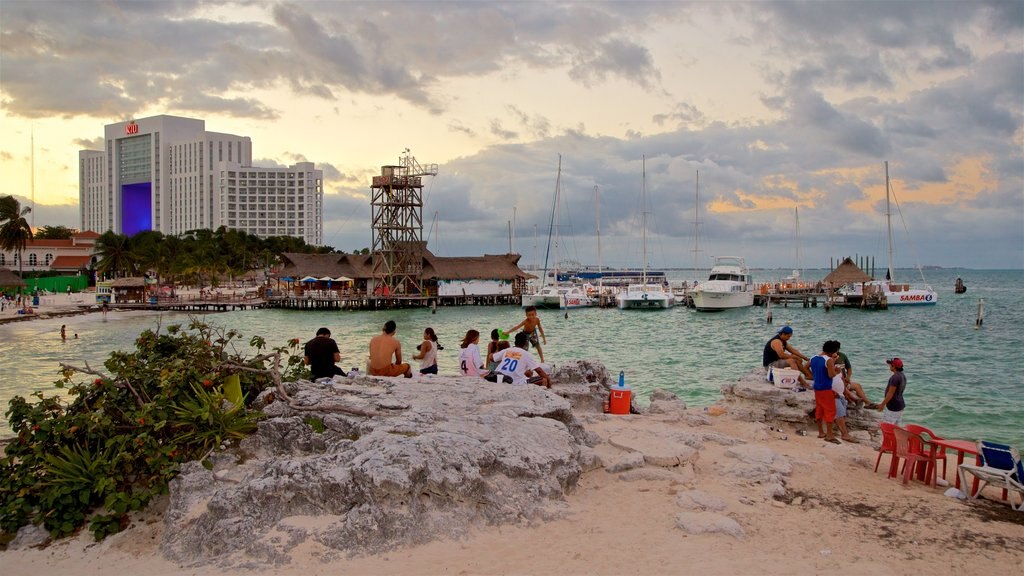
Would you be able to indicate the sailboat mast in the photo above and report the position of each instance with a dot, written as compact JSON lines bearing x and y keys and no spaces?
{"x":888,"y":221}
{"x":551,"y":225}
{"x":597,"y":208}
{"x":799,"y":260}
{"x":696,"y":227}
{"x":643,"y":214}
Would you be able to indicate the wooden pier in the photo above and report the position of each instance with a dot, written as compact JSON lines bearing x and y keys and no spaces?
{"x":365,"y":302}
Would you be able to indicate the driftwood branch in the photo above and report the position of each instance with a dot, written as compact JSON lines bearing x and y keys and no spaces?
{"x":275,"y":374}
{"x":118,"y":383}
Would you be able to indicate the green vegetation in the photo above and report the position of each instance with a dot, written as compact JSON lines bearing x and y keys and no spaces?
{"x":196,"y":257}
{"x":54,"y":233}
{"x":122,"y":435}
{"x":15,"y":231}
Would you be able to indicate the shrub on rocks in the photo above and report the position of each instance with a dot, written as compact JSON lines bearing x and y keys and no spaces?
{"x":121,"y":434}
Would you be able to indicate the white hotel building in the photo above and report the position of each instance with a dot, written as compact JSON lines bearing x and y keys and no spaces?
{"x":169,"y":174}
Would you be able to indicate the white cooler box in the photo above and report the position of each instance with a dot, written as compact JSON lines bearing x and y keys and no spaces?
{"x":784,"y":377}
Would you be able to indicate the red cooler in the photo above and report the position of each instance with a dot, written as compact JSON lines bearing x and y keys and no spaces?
{"x":620,"y":400}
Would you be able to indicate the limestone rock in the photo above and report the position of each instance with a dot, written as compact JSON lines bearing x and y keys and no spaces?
{"x":29,"y":536}
{"x":756,"y":463}
{"x":442,"y":455}
{"x":627,"y":462}
{"x":708,"y":522}
{"x":665,"y":402}
{"x":665,"y":474}
{"x":754,"y":399}
{"x":699,"y":500}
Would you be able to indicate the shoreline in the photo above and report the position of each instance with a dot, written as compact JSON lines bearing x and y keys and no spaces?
{"x":832,"y":512}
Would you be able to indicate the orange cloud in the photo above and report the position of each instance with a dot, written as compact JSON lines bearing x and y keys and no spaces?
{"x":966,"y":179}
{"x":775,"y":192}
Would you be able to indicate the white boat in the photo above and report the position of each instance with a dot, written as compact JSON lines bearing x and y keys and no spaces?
{"x":555,"y":295}
{"x":645,"y":295}
{"x":896,"y":293}
{"x":561,"y":297}
{"x":729,"y":285}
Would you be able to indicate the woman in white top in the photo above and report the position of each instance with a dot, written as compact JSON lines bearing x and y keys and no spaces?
{"x":470,"y":363}
{"x":427,"y":352}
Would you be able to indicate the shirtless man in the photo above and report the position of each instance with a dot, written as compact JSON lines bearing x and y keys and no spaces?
{"x":383,"y":348}
{"x":778,"y":353}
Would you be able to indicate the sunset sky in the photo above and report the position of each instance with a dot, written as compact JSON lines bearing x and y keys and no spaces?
{"x":779,"y":105}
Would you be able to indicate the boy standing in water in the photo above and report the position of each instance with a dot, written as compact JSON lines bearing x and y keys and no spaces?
{"x":531,"y":325}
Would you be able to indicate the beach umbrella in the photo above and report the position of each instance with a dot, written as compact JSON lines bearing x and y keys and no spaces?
{"x":342,"y":279}
{"x":310,"y":279}
{"x":287,"y":279}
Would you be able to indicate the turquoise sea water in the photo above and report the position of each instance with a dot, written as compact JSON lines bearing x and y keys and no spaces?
{"x":962,"y":381}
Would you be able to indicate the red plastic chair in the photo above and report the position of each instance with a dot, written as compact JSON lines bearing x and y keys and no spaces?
{"x":911,"y":447}
{"x":927,"y":435}
{"x":888,"y":446}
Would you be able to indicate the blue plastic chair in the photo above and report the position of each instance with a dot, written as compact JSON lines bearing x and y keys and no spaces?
{"x":1001,"y":466}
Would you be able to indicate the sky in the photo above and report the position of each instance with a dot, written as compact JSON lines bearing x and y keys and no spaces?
{"x":788,"y":111}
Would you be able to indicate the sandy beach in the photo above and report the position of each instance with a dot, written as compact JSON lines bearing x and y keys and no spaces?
{"x":837,"y":515}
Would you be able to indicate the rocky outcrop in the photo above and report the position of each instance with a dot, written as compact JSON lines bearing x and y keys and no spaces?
{"x":755,"y":399}
{"x":435,"y":457}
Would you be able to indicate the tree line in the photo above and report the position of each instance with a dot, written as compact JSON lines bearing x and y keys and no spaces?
{"x":195,"y":257}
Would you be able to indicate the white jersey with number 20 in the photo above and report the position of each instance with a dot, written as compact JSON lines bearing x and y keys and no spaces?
{"x":514,"y":362}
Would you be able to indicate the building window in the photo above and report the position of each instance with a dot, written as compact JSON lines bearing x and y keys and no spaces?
{"x":48,"y":259}
{"x":32,"y":259}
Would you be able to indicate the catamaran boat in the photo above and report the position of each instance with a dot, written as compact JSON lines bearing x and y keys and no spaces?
{"x":561,"y":297}
{"x":645,"y":296}
{"x":896,"y":293}
{"x":729,"y":285}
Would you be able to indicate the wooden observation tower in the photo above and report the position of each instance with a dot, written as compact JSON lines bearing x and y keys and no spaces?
{"x":397,"y":225}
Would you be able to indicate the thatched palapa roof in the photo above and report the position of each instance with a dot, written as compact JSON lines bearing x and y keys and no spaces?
{"x":134,"y":282}
{"x":846,"y":273}
{"x":9,"y":279}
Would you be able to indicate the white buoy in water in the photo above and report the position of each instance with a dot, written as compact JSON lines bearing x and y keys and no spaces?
{"x":981,"y":314}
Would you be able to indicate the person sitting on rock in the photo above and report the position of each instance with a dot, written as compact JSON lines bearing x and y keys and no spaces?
{"x":778,"y":353}
{"x":386,"y":354}
{"x":854,"y":391}
{"x":321,"y":355}
{"x":517,"y":364}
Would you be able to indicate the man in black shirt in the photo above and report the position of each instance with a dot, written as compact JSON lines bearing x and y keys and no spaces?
{"x":321,"y":353}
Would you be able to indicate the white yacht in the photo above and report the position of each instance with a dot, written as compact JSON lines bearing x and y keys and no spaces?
{"x":729,"y":285}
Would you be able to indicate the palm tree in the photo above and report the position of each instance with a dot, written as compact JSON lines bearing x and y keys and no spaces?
{"x":115,"y":254}
{"x":15,"y":231}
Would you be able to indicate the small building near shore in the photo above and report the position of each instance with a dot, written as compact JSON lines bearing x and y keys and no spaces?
{"x":129,"y":290}
{"x":487,"y":275}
